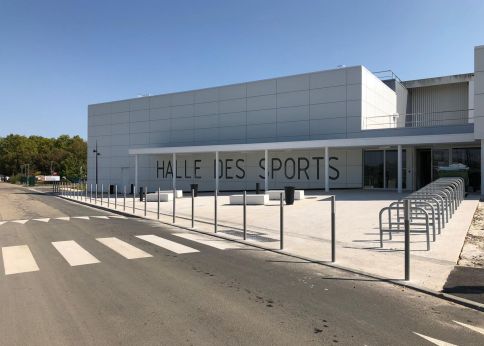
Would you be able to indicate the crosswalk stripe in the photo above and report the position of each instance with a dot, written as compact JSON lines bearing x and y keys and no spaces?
{"x":124,"y":249}
{"x":81,"y":217}
{"x":18,"y":259}
{"x":476,"y":329}
{"x":213,"y":242}
{"x":42,"y":220}
{"x":434,"y":341}
{"x":100,"y":217}
{"x":64,"y":218}
{"x":73,"y":253}
{"x":167,"y":244}
{"x":20,"y":221}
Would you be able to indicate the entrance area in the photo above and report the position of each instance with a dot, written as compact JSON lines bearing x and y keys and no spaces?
{"x":381,"y":169}
{"x":424,"y":167}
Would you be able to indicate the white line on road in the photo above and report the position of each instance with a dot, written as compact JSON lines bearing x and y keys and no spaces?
{"x":118,"y":217}
{"x":213,"y":242}
{"x":20,"y":221}
{"x":476,"y":329}
{"x":64,"y":218}
{"x":124,"y":249}
{"x":42,"y":220}
{"x":167,"y":244}
{"x":434,"y":341}
{"x":81,"y":217}
{"x":73,"y":253}
{"x":18,"y":259}
{"x":2,"y":222}
{"x":100,"y":217}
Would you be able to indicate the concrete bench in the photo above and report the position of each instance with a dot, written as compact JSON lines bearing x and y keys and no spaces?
{"x":179,"y":193}
{"x":164,"y":197}
{"x":250,"y":199}
{"x":274,"y":194}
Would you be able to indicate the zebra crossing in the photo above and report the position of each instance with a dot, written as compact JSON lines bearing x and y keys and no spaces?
{"x":19,"y":259}
{"x":63,"y":218}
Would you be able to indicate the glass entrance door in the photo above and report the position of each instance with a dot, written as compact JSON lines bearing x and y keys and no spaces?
{"x":373,"y":169}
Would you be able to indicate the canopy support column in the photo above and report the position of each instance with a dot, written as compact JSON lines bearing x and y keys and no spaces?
{"x":326,"y":169}
{"x":399,"y":174}
{"x":135,"y":173}
{"x":266,"y":171}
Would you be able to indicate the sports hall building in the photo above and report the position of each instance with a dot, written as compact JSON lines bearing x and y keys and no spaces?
{"x":341,"y":128}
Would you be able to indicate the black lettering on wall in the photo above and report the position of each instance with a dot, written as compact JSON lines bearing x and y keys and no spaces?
{"x":186,"y":176}
{"x":301,"y":168}
{"x":240,"y":169}
{"x":220,"y":170}
{"x":158,"y":169}
{"x":317,"y":158}
{"x":274,"y":167}
{"x":196,"y":168}
{"x":228,"y":167}
{"x":262,"y":166}
{"x":335,"y":170}
{"x":169,"y":170}
{"x":290,"y":176}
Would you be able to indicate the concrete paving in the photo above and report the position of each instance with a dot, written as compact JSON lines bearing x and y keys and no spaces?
{"x":307,"y":230}
{"x":192,"y":289}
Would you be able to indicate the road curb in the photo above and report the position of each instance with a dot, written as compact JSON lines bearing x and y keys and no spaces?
{"x":445,"y":296}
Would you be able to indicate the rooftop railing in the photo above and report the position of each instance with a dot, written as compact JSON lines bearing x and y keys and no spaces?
{"x":415,"y":120}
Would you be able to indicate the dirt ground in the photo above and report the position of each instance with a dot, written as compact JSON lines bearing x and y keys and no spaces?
{"x":16,"y":202}
{"x":472,"y":254}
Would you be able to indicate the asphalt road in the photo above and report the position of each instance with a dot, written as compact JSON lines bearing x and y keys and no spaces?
{"x":241,"y":296}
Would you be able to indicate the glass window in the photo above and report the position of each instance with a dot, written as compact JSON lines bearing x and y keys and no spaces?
{"x":373,"y":168}
{"x":391,"y":169}
{"x":440,"y":158}
{"x":471,"y":157}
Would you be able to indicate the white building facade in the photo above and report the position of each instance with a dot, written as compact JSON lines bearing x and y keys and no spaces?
{"x":342,"y":128}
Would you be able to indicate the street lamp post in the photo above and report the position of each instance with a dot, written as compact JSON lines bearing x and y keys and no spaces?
{"x":97,"y":154}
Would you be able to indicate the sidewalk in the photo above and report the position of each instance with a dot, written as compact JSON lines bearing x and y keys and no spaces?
{"x":307,"y":231}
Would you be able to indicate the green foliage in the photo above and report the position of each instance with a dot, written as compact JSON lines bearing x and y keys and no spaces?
{"x":65,"y":155}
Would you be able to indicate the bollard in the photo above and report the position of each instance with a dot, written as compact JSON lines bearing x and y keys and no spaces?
{"x":281,"y":221}
{"x":158,"y":208}
{"x":90,"y":196}
{"x":116,"y":196}
{"x":144,"y":196}
{"x":174,"y":204}
{"x":102,"y":193}
{"x":245,"y":214}
{"x":406,"y":222}
{"x":333,"y":229}
{"x":215,"y":213}
{"x":85,"y":197}
{"x":193,"y":208}
{"x":95,"y":196}
{"x":124,"y":198}
{"x":134,"y":199}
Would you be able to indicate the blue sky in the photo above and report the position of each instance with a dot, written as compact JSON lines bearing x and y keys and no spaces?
{"x":56,"y":57}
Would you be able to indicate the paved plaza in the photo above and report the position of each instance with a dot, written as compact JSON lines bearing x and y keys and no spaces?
{"x":307,"y":230}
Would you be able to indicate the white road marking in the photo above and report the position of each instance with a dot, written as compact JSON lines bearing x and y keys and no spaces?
{"x":18,"y":259}
{"x":81,"y":217}
{"x":64,"y":218}
{"x":118,"y":217}
{"x":42,"y":220}
{"x":213,"y":242}
{"x":100,"y":217}
{"x":20,"y":221}
{"x":73,"y":253}
{"x":476,"y":329}
{"x":167,"y":244}
{"x":124,"y":249}
{"x":2,"y":222}
{"x":434,"y":341}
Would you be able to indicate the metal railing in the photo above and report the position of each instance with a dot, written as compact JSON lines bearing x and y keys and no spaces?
{"x":431,"y":208}
{"x":417,"y":120}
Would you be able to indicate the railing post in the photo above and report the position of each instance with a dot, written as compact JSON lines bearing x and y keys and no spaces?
{"x":406,"y":216}
{"x":215,"y":210}
{"x":245,"y":214}
{"x":116,"y":196}
{"x":85,"y":197}
{"x":158,"y":207}
{"x":145,"y":193}
{"x":193,"y":208}
{"x":281,"y":221}
{"x":95,"y":196}
{"x":124,"y":198}
{"x":109,"y":194}
{"x":333,"y":229}
{"x":174,"y":205}
{"x":134,"y":199}
{"x":102,"y":193}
